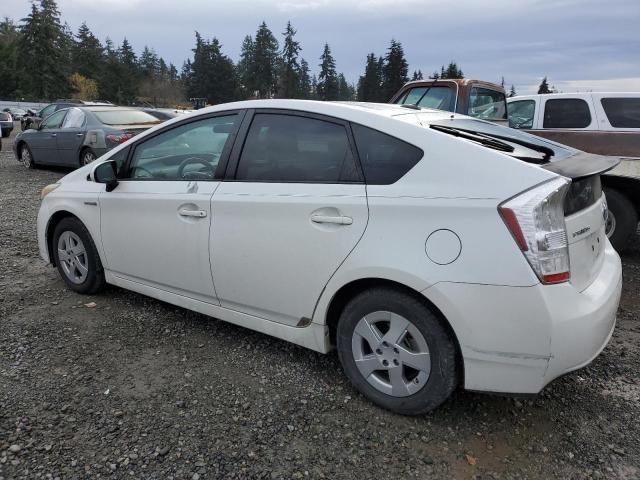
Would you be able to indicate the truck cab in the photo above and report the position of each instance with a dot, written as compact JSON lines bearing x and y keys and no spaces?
{"x":475,"y":98}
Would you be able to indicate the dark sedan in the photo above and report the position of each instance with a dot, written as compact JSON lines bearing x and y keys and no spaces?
{"x":78,"y":135}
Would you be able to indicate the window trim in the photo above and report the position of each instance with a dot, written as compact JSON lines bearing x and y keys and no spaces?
{"x":544,"y":111}
{"x":224,"y":156}
{"x":238,"y":148}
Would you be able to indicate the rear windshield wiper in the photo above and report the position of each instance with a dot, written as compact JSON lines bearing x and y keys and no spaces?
{"x":546,"y":151}
{"x":475,"y":137}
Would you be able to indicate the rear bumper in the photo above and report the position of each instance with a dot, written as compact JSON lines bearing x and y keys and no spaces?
{"x":518,"y":339}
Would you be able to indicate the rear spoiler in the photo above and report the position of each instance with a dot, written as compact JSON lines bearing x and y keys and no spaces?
{"x":582,"y":165}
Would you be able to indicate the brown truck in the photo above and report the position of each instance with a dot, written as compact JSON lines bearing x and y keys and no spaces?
{"x":476,"y":98}
{"x":601,"y":123}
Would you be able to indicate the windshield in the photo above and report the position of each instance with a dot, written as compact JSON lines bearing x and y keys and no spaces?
{"x":124,"y":117}
{"x":504,"y":134}
{"x":439,"y":97}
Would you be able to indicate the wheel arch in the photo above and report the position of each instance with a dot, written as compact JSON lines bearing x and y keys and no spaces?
{"x":627,"y":186}
{"x":348,"y":291}
{"x":53,"y":222}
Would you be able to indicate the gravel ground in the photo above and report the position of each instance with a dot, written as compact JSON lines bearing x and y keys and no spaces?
{"x":136,"y":388}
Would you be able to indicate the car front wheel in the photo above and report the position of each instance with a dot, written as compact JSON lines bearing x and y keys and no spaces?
{"x":26,"y":156}
{"x":76,"y":257}
{"x":396,"y":351}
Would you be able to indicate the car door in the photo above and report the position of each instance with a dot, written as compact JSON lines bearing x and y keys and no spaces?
{"x":44,"y":141}
{"x":71,"y":136}
{"x":293,"y":208}
{"x":155,"y":224}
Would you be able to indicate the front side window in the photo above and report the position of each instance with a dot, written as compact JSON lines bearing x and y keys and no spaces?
{"x":486,"y":104}
{"x":566,"y":113}
{"x":385,"y":159}
{"x":46,"y":111}
{"x":622,"y":112}
{"x":74,"y":119}
{"x":439,"y":97}
{"x":521,"y":113}
{"x":186,"y":152}
{"x":291,"y":148}
{"x":54,"y":121}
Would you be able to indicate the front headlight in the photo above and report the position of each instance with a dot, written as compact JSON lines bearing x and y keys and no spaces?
{"x":48,"y":189}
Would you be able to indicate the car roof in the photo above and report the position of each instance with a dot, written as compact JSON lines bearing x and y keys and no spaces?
{"x":341,"y":109}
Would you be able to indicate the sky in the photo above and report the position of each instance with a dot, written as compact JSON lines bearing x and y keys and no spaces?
{"x":580,"y":45}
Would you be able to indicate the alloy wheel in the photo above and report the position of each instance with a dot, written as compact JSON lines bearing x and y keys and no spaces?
{"x":610,"y":226}
{"x":391,"y":353}
{"x":27,"y":161}
{"x":87,"y":157}
{"x":72,"y":255}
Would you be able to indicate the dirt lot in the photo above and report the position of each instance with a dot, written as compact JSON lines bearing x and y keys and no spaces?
{"x":135,"y":388}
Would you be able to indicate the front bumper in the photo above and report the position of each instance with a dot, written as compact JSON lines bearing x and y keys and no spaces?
{"x":518,"y":339}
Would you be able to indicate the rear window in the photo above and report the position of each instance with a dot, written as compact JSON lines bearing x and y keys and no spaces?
{"x":124,"y":117}
{"x":487,"y":104}
{"x":385,"y":159}
{"x":566,"y":113}
{"x":622,"y":112}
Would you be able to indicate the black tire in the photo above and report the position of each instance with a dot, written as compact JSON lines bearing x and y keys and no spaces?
{"x":623,"y":223}
{"x":94,"y":281}
{"x":86,"y":156}
{"x":27,"y":160}
{"x":443,"y":377}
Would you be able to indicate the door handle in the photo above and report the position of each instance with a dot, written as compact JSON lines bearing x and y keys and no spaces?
{"x":54,"y":134}
{"x":79,"y":134}
{"x":192,"y":213}
{"x":339,"y":219}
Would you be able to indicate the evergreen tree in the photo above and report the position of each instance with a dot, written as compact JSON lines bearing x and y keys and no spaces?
{"x":43,"y":51}
{"x":129,"y":73}
{"x":451,"y":72}
{"x":544,"y":87}
{"x":247,"y":83}
{"x":314,"y":88}
{"x":87,"y":57}
{"x":417,"y":75}
{"x":9,"y":65}
{"x":502,"y":82}
{"x":305,"y":80}
{"x":370,"y":84}
{"x":265,"y":62}
{"x":211,"y":74}
{"x":109,"y":81}
{"x":149,"y":63}
{"x":327,"y":88}
{"x":345,"y":90}
{"x":394,"y":71}
{"x":512,"y":92}
{"x":289,"y":77}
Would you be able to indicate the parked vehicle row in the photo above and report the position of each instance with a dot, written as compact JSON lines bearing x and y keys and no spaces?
{"x":403,"y":237}
{"x":600,"y":123}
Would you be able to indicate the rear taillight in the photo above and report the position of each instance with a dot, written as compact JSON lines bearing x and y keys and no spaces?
{"x":118,"y":139}
{"x":535,"y":218}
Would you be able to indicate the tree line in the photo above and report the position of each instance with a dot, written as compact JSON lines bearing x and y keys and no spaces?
{"x":42,"y":59}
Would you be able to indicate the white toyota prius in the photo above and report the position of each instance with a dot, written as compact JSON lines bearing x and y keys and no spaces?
{"x":431,"y":250}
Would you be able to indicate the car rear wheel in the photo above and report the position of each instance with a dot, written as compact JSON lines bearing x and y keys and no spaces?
{"x":76,"y":257}
{"x":396,"y":352}
{"x":26,"y":156}
{"x":622,"y":221}
{"x":86,"y":157}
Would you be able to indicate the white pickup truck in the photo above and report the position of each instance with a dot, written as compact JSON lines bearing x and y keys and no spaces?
{"x":602,"y":123}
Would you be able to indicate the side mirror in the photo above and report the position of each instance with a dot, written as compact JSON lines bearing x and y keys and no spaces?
{"x":107,"y":173}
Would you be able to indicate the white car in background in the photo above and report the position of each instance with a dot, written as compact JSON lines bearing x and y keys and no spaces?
{"x":431,"y":251}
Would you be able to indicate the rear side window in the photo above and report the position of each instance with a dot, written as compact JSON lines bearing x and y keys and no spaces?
{"x":622,"y":112}
{"x":385,"y":159}
{"x":291,"y":148}
{"x":487,"y":104}
{"x":74,"y":119}
{"x":566,"y":113}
